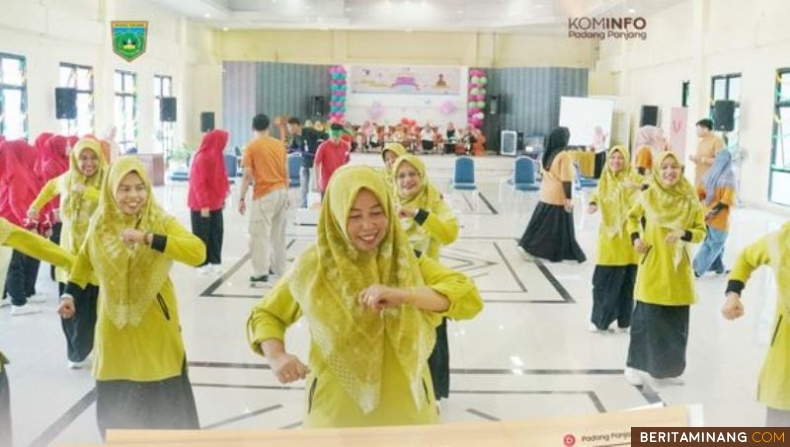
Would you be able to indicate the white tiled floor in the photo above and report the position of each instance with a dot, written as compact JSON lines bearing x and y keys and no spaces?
{"x":528,"y":354}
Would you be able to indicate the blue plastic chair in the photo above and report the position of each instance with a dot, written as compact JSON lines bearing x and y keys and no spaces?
{"x":523,"y":179}
{"x":464,"y":177}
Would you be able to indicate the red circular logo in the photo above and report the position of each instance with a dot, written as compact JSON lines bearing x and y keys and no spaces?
{"x":569,"y":440}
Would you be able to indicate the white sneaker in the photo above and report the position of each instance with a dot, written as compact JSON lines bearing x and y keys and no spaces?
{"x":5,"y":303}
{"x":671,"y":381}
{"x":26,"y":309}
{"x":37,"y":298}
{"x":623,"y":330}
{"x":217,"y":269}
{"x":593,"y":328}
{"x":86,"y":362}
{"x":203,"y":270}
{"x":634,"y":377}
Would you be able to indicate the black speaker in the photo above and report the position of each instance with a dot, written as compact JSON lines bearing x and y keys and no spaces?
{"x":206,"y":121}
{"x":65,"y":103}
{"x":724,"y":115}
{"x":649,"y":116}
{"x":495,"y":105}
{"x":167,"y":109}
{"x":317,"y":106}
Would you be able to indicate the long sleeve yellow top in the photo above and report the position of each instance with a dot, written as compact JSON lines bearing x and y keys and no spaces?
{"x":435,"y":227}
{"x":153,"y":350}
{"x":72,"y":233}
{"x":34,"y":246}
{"x":327,"y":404}
{"x":774,"y":388}
{"x":664,"y":276}
{"x":617,"y":250}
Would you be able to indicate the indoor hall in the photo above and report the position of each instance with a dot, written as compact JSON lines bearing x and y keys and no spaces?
{"x":506,"y":76}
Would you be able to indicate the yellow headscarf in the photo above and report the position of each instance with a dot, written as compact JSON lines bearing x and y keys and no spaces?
{"x":614,"y":198}
{"x":399,"y":150}
{"x":130,"y":277}
{"x":671,"y":207}
{"x":426,"y":198}
{"x":76,"y":210}
{"x":328,"y":278}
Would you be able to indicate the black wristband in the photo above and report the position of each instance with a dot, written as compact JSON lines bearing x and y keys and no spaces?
{"x":735,"y":286}
{"x":158,"y":242}
{"x":421,"y":216}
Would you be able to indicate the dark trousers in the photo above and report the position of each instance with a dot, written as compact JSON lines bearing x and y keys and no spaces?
{"x":5,"y":410}
{"x":21,"y":279}
{"x":600,"y":162}
{"x":439,"y":363}
{"x":613,"y":295}
{"x":80,"y":329}
{"x":55,"y":238}
{"x":209,"y":230}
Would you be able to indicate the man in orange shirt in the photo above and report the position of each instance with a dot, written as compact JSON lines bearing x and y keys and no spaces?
{"x":709,"y":145}
{"x":265,"y":167}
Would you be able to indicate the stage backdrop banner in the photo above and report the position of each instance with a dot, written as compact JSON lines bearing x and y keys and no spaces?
{"x":406,"y":80}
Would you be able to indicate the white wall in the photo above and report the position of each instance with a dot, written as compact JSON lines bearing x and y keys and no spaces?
{"x":695,"y":40}
{"x":78,"y":31}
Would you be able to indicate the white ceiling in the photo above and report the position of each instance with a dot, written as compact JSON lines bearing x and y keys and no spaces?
{"x":540,"y":16}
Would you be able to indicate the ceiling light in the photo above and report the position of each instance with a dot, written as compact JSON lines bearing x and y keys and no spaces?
{"x":423,"y":3}
{"x":460,"y":11}
{"x":207,"y":15}
{"x":631,"y":11}
{"x":225,"y":28}
{"x":388,"y":3}
{"x":324,"y":28}
{"x":408,"y":30}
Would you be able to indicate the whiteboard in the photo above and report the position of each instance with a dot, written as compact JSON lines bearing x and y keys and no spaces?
{"x":582,"y":115}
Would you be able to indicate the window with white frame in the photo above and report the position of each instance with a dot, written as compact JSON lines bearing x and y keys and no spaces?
{"x":80,"y":78}
{"x":163,"y":87}
{"x":13,"y":97}
{"x":126,"y":109}
{"x":779,"y":185}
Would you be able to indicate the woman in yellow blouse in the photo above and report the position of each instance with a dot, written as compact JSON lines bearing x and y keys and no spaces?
{"x":429,"y":224}
{"x":140,"y":363}
{"x":39,"y":248}
{"x":773,"y":387}
{"x":615,"y":270}
{"x":372,"y":308}
{"x":78,"y":189}
{"x":550,"y":234}
{"x":389,"y":154}
{"x":664,"y":287}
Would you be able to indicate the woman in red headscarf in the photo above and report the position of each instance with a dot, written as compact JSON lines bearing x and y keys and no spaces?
{"x":208,"y":187}
{"x":19,"y":187}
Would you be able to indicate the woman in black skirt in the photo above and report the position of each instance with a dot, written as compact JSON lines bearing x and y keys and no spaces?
{"x":615,"y":269}
{"x":140,"y":363}
{"x":664,"y":290}
{"x":550,"y":234}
